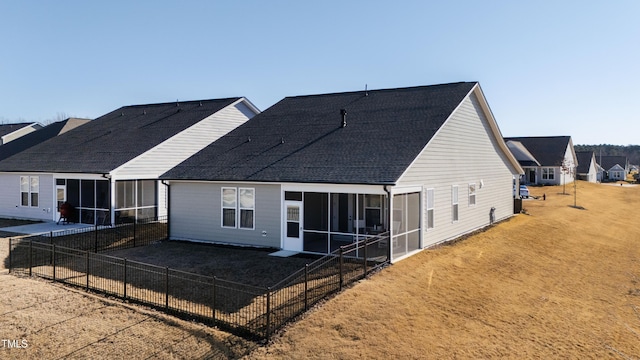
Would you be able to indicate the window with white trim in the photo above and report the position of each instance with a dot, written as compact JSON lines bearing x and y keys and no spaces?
{"x":238,"y":208}
{"x":472,"y":194}
{"x":29,"y":190}
{"x":247,"y":207}
{"x":430,"y":208}
{"x":229,"y":203}
{"x":548,"y":174}
{"x":454,"y":203}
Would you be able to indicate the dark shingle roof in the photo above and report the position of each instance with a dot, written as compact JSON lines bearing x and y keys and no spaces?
{"x":584,"y":161}
{"x":113,"y":139}
{"x":548,"y":150}
{"x":36,"y":137}
{"x":609,"y":161}
{"x":9,"y":128}
{"x":300,"y":139}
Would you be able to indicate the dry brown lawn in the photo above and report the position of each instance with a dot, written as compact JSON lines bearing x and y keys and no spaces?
{"x":559,"y":282}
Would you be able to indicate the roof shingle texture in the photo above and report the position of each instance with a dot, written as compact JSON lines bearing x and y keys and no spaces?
{"x":113,"y":139}
{"x":609,"y":161}
{"x":36,"y":137}
{"x":584,"y":161}
{"x":301,"y":139}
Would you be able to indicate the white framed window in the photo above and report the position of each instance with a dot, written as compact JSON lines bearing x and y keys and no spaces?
{"x":229,"y":204}
{"x":247,"y":207}
{"x":472,"y":194}
{"x":548,"y":174}
{"x":454,"y":203}
{"x":238,"y":208}
{"x":430,"y":208}
{"x":29,"y":190}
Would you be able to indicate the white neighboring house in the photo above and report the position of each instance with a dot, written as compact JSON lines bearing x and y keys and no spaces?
{"x":615,"y":168}
{"x":546,"y":160}
{"x":311,"y":173}
{"x":108,"y":168}
{"x":10,"y":132}
{"x":587,"y":166}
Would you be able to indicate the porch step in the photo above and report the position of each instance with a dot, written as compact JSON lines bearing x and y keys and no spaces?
{"x":284,"y":253}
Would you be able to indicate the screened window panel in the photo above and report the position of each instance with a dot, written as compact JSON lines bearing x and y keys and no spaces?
{"x":73,"y":192}
{"x":87,"y":193}
{"x":413,"y":211}
{"x":34,"y":199}
{"x":102,"y":194}
{"x":24,"y":198}
{"x":146,"y":193}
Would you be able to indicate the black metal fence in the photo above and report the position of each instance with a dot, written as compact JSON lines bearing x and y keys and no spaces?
{"x":99,"y":238}
{"x":249,"y":311}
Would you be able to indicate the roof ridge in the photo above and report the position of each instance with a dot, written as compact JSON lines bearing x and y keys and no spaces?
{"x":367,"y":91}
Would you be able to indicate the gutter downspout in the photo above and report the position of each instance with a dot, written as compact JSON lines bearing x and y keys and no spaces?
{"x":168,"y":207}
{"x":388,"y":221}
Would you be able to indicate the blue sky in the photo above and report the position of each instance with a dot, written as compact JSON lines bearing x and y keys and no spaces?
{"x":546,"y":67}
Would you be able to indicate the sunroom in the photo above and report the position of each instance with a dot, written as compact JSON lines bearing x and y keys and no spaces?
{"x":321,"y":222}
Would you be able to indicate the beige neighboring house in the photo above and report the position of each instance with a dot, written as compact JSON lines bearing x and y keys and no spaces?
{"x":10,"y":132}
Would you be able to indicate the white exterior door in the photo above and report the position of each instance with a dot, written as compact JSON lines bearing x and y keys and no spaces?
{"x":61,"y":196}
{"x":292,"y":225}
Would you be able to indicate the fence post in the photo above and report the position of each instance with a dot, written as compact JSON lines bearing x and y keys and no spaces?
{"x":341,"y":265}
{"x":214,"y":301}
{"x":125,"y":279}
{"x":30,"y":255}
{"x":54,"y":262}
{"x":268,"y":313}
{"x":51,"y":243}
{"x":95,"y":230}
{"x":306,"y":286}
{"x":365,"y":258}
{"x":87,"y":257}
{"x":166,"y":286}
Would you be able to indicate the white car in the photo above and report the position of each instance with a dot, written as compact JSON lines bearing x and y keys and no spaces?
{"x":524,"y":191}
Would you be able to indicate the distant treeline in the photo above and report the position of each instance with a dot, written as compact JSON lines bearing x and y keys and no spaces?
{"x":632,"y":152}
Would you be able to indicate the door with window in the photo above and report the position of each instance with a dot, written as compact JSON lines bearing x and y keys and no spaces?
{"x":292,"y":226}
{"x":61,"y":196}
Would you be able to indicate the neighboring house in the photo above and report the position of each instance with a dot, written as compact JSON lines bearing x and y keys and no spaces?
{"x":587,"y":166}
{"x":600,"y":173}
{"x":108,"y":168}
{"x":38,"y":136}
{"x":615,"y":167}
{"x":10,"y":132}
{"x":548,"y":160}
{"x":312,"y":173}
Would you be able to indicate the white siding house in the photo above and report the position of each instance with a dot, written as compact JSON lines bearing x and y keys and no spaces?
{"x":546,"y":160}
{"x":108,"y":169}
{"x":312,"y":173}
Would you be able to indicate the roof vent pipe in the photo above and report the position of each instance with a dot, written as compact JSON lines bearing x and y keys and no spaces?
{"x":343,"y":113}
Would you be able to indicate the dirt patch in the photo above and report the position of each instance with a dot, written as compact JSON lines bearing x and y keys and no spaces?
{"x":243,"y":265}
